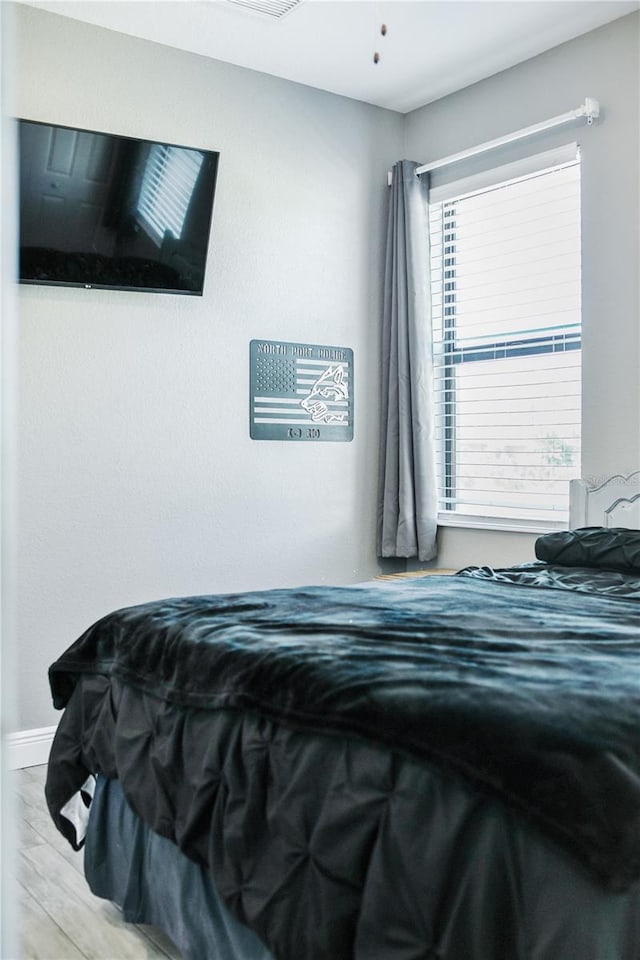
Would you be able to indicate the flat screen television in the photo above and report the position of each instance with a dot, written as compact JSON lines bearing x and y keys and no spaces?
{"x":113,"y":212}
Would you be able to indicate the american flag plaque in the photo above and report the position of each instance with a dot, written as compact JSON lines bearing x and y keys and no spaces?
{"x":300,"y":391}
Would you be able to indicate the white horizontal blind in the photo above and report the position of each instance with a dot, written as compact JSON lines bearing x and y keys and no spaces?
{"x":169,"y":179}
{"x":506,"y":309}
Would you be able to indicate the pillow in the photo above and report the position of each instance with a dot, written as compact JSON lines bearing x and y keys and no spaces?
{"x":616,"y":548}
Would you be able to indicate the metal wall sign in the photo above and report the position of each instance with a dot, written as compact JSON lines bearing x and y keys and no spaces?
{"x":300,"y":391}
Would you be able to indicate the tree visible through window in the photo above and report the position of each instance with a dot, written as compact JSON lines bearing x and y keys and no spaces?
{"x":506,"y":313}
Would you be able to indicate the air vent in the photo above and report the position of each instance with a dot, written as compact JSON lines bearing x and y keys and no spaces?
{"x":271,"y":8}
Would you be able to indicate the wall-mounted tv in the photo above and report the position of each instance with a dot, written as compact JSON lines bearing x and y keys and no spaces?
{"x":113,"y":212}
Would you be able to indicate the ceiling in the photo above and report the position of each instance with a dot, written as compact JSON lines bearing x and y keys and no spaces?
{"x":431,"y":48}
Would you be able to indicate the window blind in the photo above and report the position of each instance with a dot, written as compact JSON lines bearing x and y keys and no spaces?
{"x":167,"y":186}
{"x":506,"y":314}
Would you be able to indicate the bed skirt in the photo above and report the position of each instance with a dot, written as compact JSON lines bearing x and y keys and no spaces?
{"x":154,"y":883}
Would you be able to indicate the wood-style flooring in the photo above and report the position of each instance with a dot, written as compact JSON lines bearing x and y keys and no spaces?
{"x":60,"y":919}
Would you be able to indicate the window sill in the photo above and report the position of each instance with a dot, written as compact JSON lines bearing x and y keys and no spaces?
{"x":506,"y":525}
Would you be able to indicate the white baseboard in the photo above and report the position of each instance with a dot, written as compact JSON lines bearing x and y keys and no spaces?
{"x":28,"y":748}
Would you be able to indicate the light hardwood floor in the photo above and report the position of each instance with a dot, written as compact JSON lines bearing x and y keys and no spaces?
{"x":60,"y":918}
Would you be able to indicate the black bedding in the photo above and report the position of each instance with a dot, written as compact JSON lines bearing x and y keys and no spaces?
{"x":473,"y":883}
{"x":604,"y":583}
{"x":276,"y":737}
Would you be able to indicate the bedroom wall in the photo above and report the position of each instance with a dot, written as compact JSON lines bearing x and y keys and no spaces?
{"x":136,"y":475}
{"x":603,"y":64}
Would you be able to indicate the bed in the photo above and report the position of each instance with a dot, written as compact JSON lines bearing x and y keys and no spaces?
{"x":437,"y":768}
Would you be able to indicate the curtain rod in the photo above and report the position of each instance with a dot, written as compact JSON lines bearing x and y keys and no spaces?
{"x":589,"y":109}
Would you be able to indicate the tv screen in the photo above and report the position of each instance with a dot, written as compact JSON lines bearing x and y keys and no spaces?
{"x":99,"y":210}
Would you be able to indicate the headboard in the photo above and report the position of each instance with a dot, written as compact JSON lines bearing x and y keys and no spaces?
{"x":610,"y":502}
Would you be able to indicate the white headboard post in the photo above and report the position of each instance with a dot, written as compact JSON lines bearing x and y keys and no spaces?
{"x":605,"y":502}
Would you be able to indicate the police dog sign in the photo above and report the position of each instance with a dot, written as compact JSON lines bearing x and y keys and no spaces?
{"x":300,"y":391}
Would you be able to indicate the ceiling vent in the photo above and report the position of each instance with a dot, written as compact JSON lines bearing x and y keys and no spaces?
{"x":270,"y":8}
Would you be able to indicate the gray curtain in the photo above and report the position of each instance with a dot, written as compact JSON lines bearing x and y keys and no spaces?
{"x":407,"y":495}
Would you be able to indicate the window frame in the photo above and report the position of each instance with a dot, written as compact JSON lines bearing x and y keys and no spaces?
{"x":456,"y":190}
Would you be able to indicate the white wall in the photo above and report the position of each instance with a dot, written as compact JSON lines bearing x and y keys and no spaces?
{"x":8,"y":698}
{"x":136,"y":474}
{"x":603,"y":64}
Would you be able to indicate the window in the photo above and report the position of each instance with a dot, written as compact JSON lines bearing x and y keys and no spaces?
{"x":167,"y":186}
{"x":505,"y":262}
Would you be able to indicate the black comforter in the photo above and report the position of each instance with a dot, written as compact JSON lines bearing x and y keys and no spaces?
{"x":531,"y":695}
